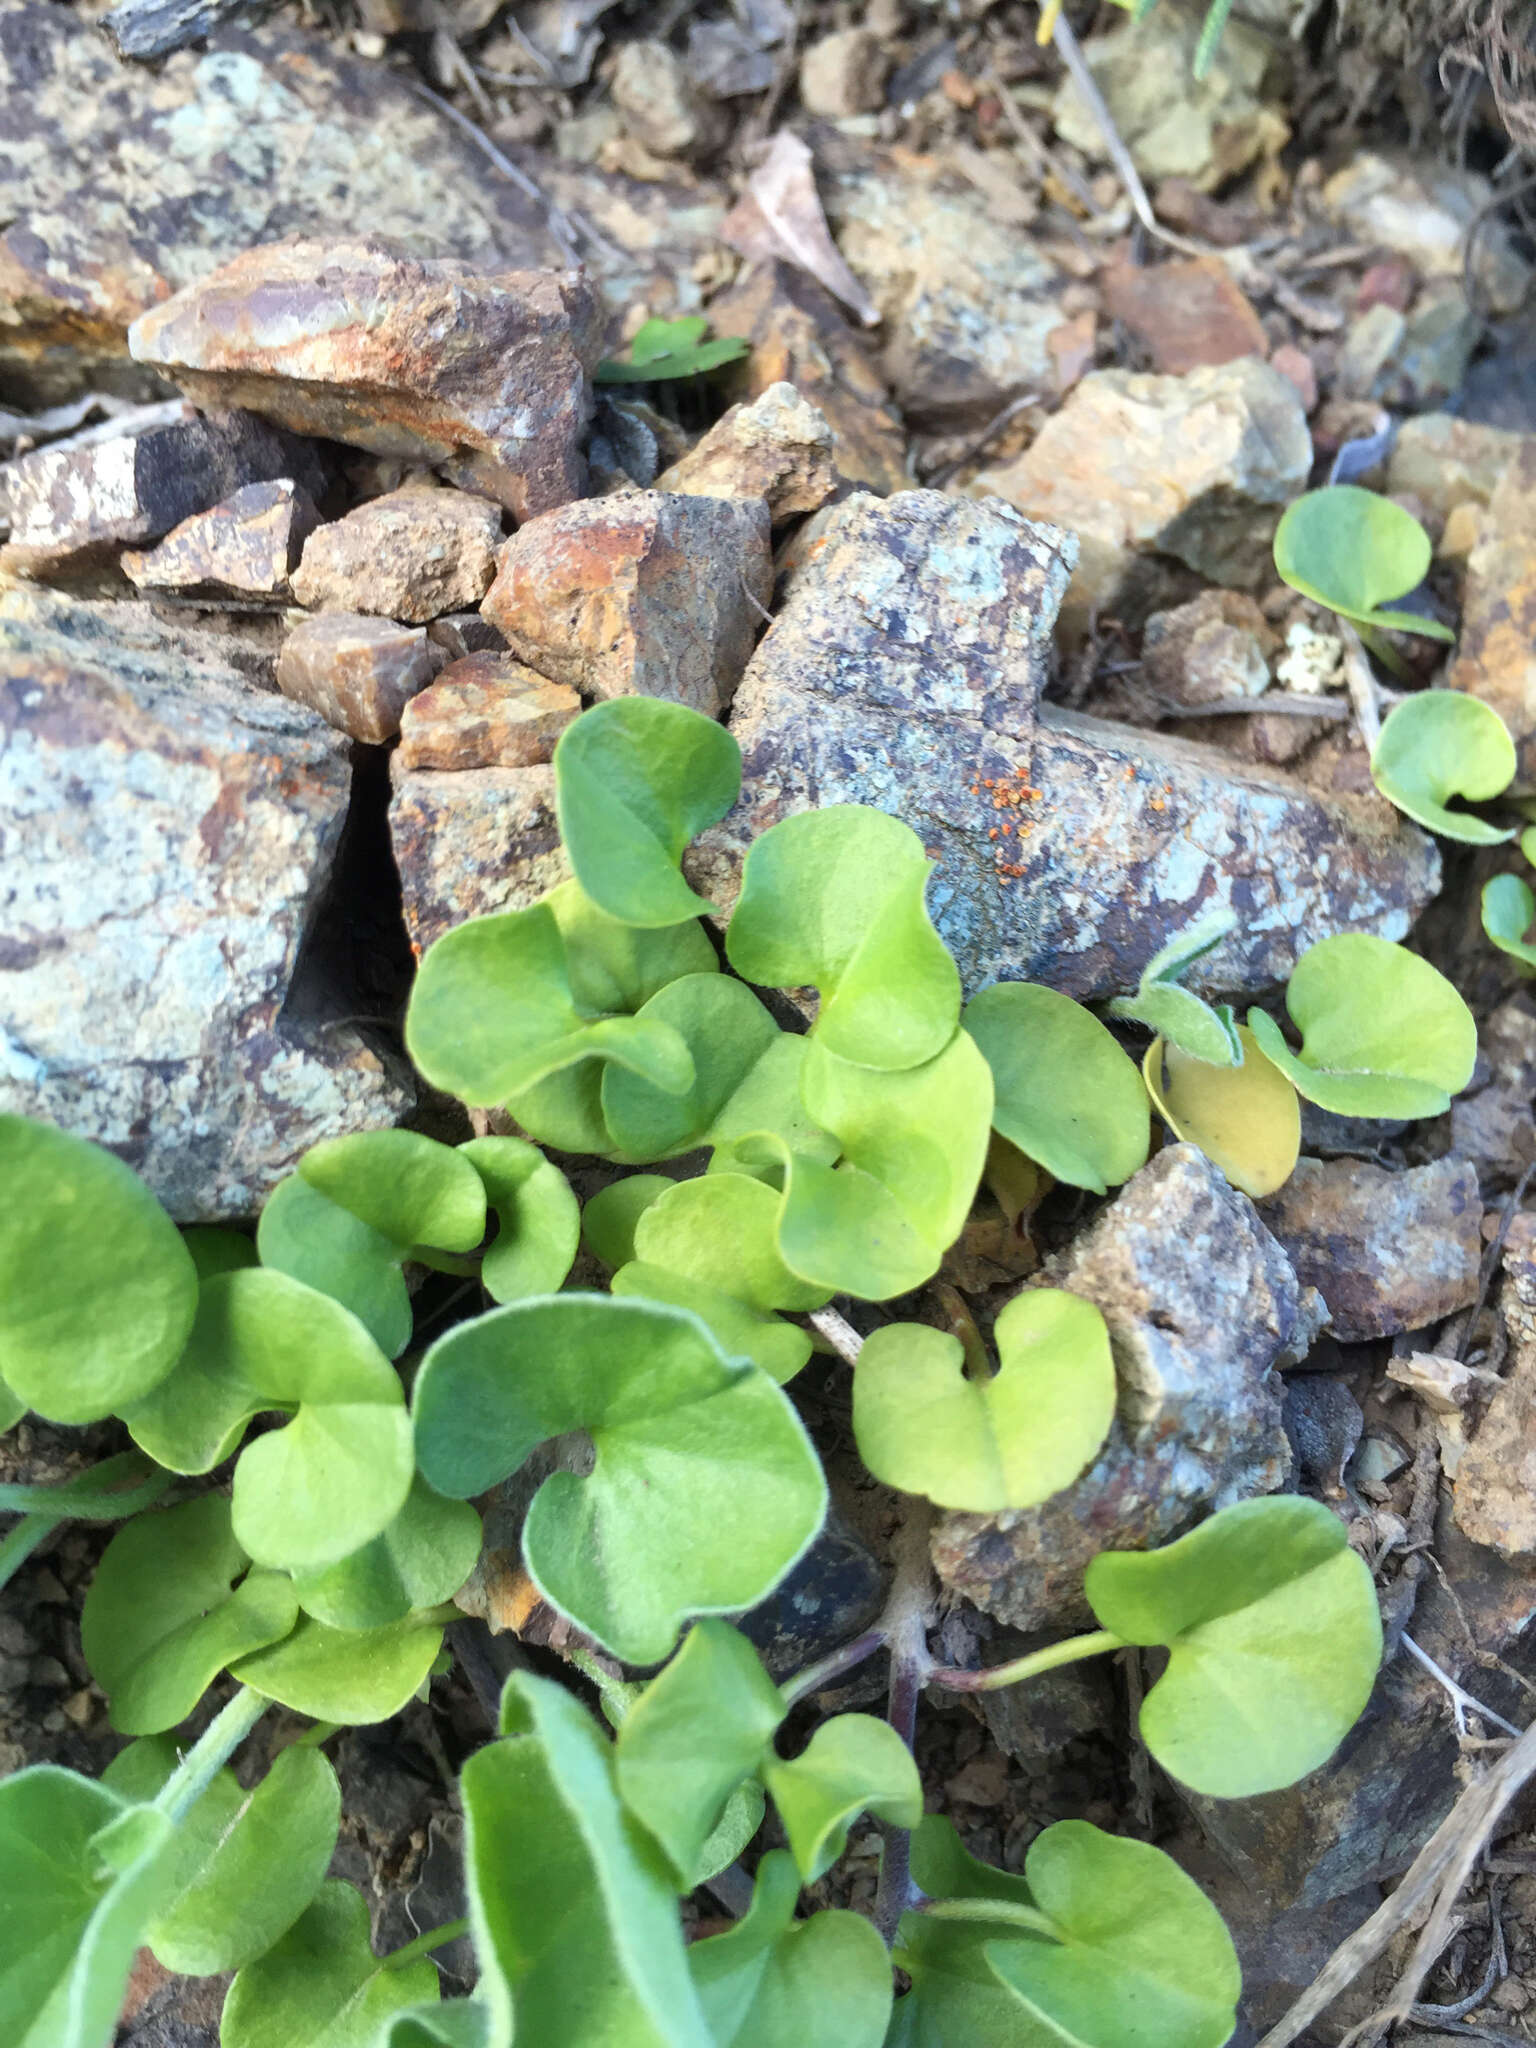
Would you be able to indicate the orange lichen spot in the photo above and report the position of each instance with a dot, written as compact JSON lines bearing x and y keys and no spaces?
{"x":1158,"y":804}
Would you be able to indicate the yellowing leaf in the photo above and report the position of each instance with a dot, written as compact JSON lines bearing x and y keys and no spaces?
{"x":1246,"y":1120}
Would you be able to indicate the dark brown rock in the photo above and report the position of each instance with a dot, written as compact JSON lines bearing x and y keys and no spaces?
{"x":645,"y":593}
{"x":357,"y":672}
{"x":1387,"y":1251}
{"x":461,"y":633}
{"x":1188,"y":315}
{"x":486,"y":711}
{"x":410,"y":555}
{"x":482,"y":372}
{"x":467,"y":845}
{"x":779,"y":448}
{"x":245,"y":547}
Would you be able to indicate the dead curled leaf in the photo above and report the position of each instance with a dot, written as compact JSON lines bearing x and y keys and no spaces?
{"x":779,"y":214}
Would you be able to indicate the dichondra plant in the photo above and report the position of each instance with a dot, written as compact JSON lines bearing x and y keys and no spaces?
{"x":304,"y":1498}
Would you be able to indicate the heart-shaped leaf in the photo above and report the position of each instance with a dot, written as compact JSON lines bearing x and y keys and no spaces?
{"x":853,"y":1764}
{"x":1508,"y":912}
{"x":956,"y":1996}
{"x":420,"y":1560}
{"x":456,"y":2023}
{"x":727,"y":1032}
{"x":780,"y":1348}
{"x":81,"y":1876}
{"x":173,"y":1601}
{"x":1246,"y":1120}
{"x":574,"y":1915}
{"x":777,"y":1982}
{"x":351,"y":1676}
{"x":307,"y":1236}
{"x":609,"y":1219}
{"x":538,"y":1218}
{"x":1383,"y":1033}
{"x":671,"y":348}
{"x":690,"y":1738}
{"x":97,"y":1289}
{"x":1066,"y":1093}
{"x":984,"y":1445}
{"x":635,"y":780}
{"x":1197,"y":1028}
{"x":242,"y":1866}
{"x":685,"y":1440}
{"x":835,"y":898}
{"x":1356,"y":552}
{"x":322,"y":1985}
{"x":1439,"y":744}
{"x":403,"y":1184}
{"x":1274,"y":1637}
{"x":314,"y":1492}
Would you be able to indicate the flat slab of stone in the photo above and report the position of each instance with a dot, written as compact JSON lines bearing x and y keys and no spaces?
{"x":245,"y":547}
{"x":166,"y":835}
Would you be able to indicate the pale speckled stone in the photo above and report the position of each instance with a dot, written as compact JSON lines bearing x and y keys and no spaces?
{"x":411,"y":555}
{"x":166,"y":834}
{"x":780,"y":448}
{"x":472,"y":842}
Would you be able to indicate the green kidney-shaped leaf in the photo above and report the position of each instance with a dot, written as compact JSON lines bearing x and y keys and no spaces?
{"x":403,"y":1184}
{"x":242,"y":1866}
{"x":173,"y":1601}
{"x":835,"y":898}
{"x":609,"y":1219}
{"x":81,"y":1876}
{"x":1439,"y":744}
{"x":686,"y":1441}
{"x":670,"y":348}
{"x":97,"y":1289}
{"x":1356,"y":552}
{"x":694,"y":1733}
{"x":351,"y":1676}
{"x":721,"y":1228}
{"x":420,"y":1560}
{"x":1274,"y":1637}
{"x":1200,"y":1030}
{"x":780,"y":1348}
{"x":322,"y":1985}
{"x":574,"y":1914}
{"x":1384,"y":1034}
{"x":777,"y":1982}
{"x":309,"y":1237}
{"x":1508,"y":912}
{"x":456,"y":2023}
{"x":311,"y":1493}
{"x":853,"y":1764}
{"x":538,"y":1218}
{"x":1010,"y":1441}
{"x":768,"y":1105}
{"x":635,"y":780}
{"x":1066,"y":1093}
{"x":727,"y":1032}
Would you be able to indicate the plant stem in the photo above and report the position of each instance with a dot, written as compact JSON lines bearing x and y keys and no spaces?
{"x":905,"y":1624}
{"x":818,"y":1676}
{"x":996,"y":1676}
{"x":423,"y":1945}
{"x":91,"y":1496}
{"x":1013,"y":1911}
{"x":18,"y":1544}
{"x":211,"y":1751}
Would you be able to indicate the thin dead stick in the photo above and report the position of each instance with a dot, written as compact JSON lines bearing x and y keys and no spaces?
{"x":1329,"y":709}
{"x":839,"y":1333}
{"x":1362,"y":685}
{"x":1040,"y":152}
{"x":1462,"y":1702}
{"x":1437,"y":1873}
{"x":981,"y":441}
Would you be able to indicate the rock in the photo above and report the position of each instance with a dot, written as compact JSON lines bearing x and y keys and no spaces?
{"x":903,"y":670}
{"x":1369,"y":345}
{"x":1494,"y":1497}
{"x":1174,"y":126}
{"x":1298,"y":368}
{"x":1496,"y":657}
{"x":1313,"y":662}
{"x":649,"y":593}
{"x":1492,"y":1123}
{"x":1387,"y":1251}
{"x":357,"y":672}
{"x":469,"y":844}
{"x":481,"y":372}
{"x":1188,"y":314}
{"x":1423,"y":208}
{"x":653,"y":92}
{"x":167,"y":837}
{"x":1035,"y":1722}
{"x":411,"y":555}
{"x":1430,"y":363}
{"x":799,"y":337}
{"x":1202,"y":1307}
{"x":844,"y":73}
{"x":779,"y":448}
{"x":1217,"y":646}
{"x":461,"y":633}
{"x":245,"y":547}
{"x":1324,"y":1423}
{"x":1198,"y":467}
{"x":971,"y":311}
{"x":836,"y":1589}
{"x":486,"y":711}
{"x":72,"y":507}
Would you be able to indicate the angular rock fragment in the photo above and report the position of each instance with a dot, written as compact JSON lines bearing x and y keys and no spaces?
{"x":903,"y":670}
{"x":1495,"y":1482}
{"x":486,"y":711}
{"x":661,"y":110}
{"x":245,"y":547}
{"x":410,"y":555}
{"x":461,"y":633}
{"x":166,"y":834}
{"x":1387,"y":1251}
{"x":648,"y":593}
{"x":1189,"y":314}
{"x":71,"y":506}
{"x":1493,"y":1123}
{"x":1445,"y":462}
{"x":780,"y":448}
{"x":357,"y":672}
{"x":1424,"y":209}
{"x":483,"y":372}
{"x":1202,"y":1307}
{"x":1198,"y":467}
{"x":1496,"y":657}
{"x":844,"y":73}
{"x":470,"y":844}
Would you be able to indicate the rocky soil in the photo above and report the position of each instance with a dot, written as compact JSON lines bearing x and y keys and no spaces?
{"x":317,"y":533}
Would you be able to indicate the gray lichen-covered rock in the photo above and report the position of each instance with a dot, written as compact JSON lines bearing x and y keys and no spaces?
{"x":166,"y":839}
{"x":470,"y":843}
{"x":1203,"y":1307}
{"x":903,"y":670}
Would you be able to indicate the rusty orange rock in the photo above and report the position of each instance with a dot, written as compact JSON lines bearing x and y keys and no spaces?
{"x":1497,"y":657}
{"x":410,"y":555}
{"x":245,"y":546}
{"x":486,"y":711}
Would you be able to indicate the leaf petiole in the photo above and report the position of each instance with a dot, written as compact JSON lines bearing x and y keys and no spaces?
{"x":103,"y":1501}
{"x":423,"y":1945}
{"x":209,"y":1754}
{"x":1012,"y":1912}
{"x":1051,"y":1658}
{"x":818,"y":1676}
